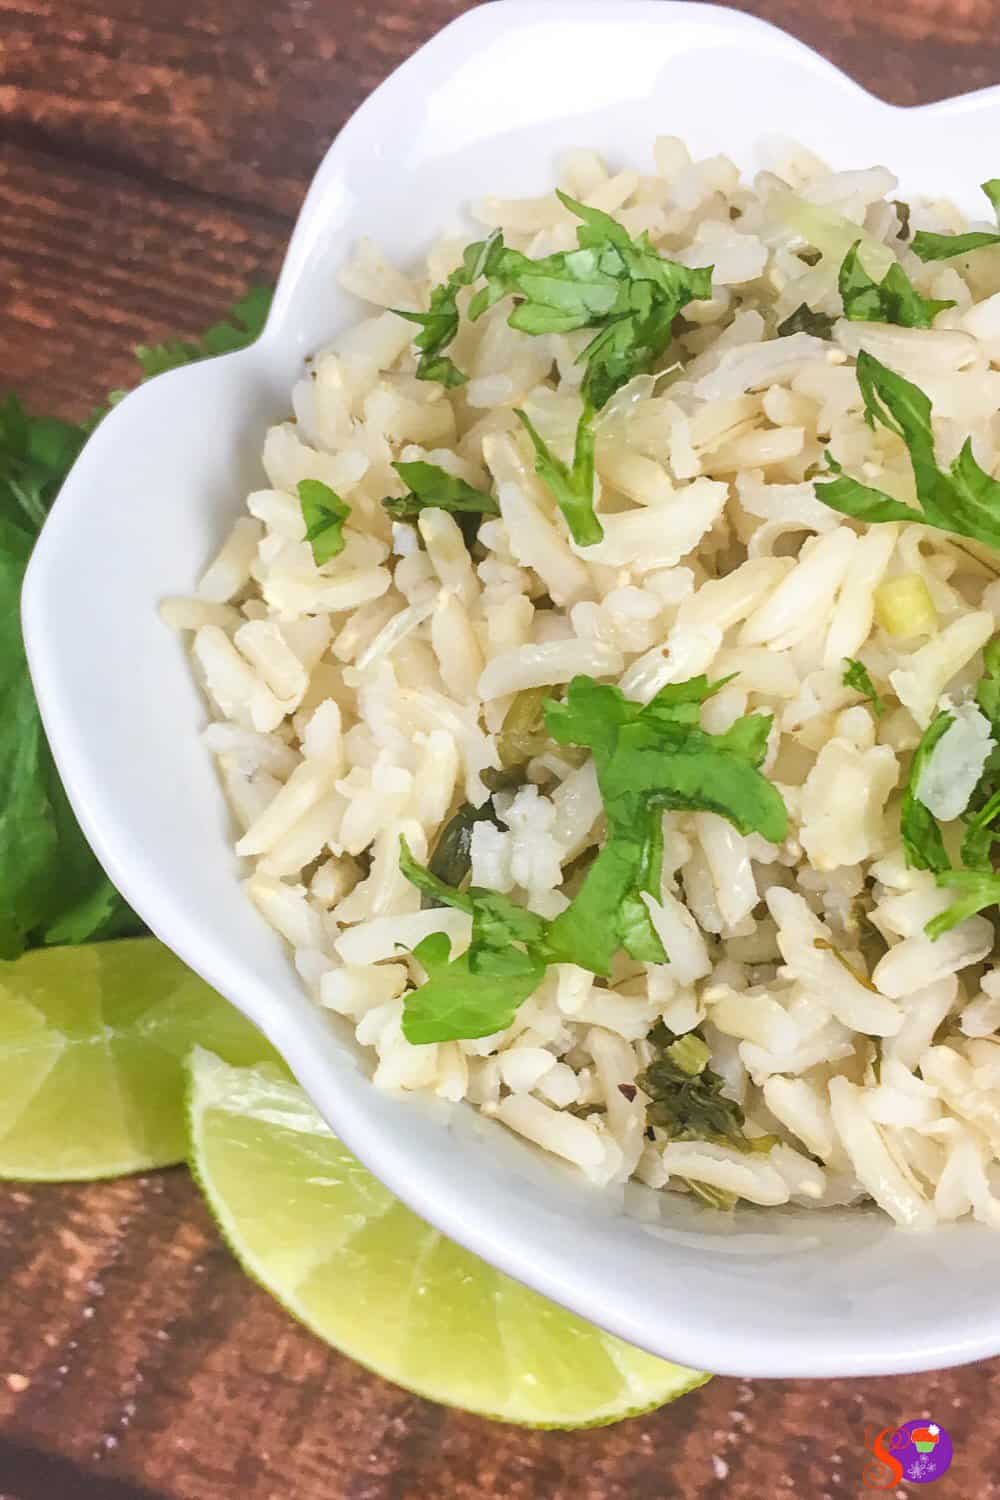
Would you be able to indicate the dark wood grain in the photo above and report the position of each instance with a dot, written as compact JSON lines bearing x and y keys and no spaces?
{"x":134,"y":1349}
{"x":152,"y":156}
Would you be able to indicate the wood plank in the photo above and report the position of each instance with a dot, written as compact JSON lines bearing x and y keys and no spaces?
{"x":135,"y":1348}
{"x":238,"y":103}
{"x":92,"y":263}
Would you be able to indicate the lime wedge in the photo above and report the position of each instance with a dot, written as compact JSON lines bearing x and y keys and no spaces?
{"x":349,"y":1261}
{"x":92,"y":1047}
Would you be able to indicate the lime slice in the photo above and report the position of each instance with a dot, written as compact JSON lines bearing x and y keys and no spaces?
{"x":346,"y":1258}
{"x":92,"y":1047}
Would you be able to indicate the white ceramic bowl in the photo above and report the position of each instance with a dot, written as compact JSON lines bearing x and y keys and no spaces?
{"x":490,"y":103}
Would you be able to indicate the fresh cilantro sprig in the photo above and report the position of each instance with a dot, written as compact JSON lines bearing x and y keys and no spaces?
{"x":649,"y":757}
{"x":964,"y":499}
{"x":894,"y":299}
{"x":571,"y":485}
{"x":619,"y":286}
{"x":856,"y":676}
{"x":52,"y":889}
{"x":429,"y":485}
{"x":652,"y":291}
{"x":36,"y":454}
{"x":945,"y":246}
{"x":324,"y":514}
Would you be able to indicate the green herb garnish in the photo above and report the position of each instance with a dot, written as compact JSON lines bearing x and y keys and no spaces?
{"x":324,"y":514}
{"x":439,"y":324}
{"x":685,"y":1095}
{"x":651,"y":758}
{"x":430,"y":486}
{"x":894,"y":299}
{"x":978,"y":884}
{"x":573,"y":487}
{"x":456,"y":1002}
{"x":964,"y":500}
{"x":622,"y":287}
{"x":619,"y":286}
{"x":36,"y":454}
{"x":988,"y":687}
{"x":480,"y":992}
{"x":804,"y":320}
{"x":944,"y":246}
{"x":978,"y":890}
{"x":52,"y":889}
{"x":922,"y":842}
{"x":984,"y":806}
{"x":856,"y":676}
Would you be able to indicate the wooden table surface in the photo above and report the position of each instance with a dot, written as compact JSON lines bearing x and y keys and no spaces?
{"x":153,"y":154}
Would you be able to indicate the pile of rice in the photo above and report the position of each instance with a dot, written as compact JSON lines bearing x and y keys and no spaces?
{"x":359,"y":701}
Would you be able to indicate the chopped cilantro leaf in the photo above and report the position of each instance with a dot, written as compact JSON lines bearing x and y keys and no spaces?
{"x":455,"y":1002}
{"x":804,"y":320}
{"x":573,"y":487}
{"x":981,"y":831}
{"x":439,"y":324}
{"x":964,"y":500}
{"x":894,"y":299}
{"x":922,"y":842}
{"x":650,"y":758}
{"x":685,"y":1095}
{"x":983,"y":812}
{"x":944,"y":246}
{"x":504,"y":965}
{"x":978,"y":889}
{"x":324,"y":514}
{"x":431,"y":486}
{"x":619,"y":286}
{"x":856,"y":676}
{"x":903,"y":218}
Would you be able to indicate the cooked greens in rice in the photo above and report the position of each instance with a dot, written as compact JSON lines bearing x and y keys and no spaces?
{"x":606,"y":683}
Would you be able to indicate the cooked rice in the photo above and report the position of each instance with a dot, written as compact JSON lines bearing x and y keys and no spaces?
{"x":360,"y":700}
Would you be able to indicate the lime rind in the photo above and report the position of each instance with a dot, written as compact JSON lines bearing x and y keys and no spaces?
{"x":364,"y":1274}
